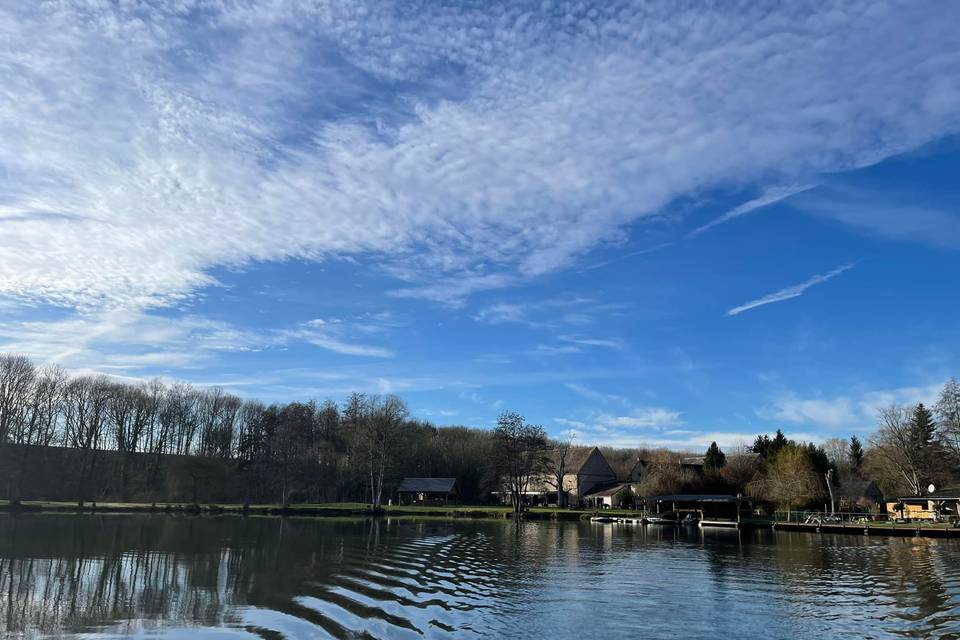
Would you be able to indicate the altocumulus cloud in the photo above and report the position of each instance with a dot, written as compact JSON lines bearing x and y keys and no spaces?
{"x":468,"y":147}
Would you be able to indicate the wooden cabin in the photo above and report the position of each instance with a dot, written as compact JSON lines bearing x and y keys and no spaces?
{"x":940,"y":505}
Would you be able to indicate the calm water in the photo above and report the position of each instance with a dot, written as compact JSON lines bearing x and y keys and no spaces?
{"x":158,"y":576}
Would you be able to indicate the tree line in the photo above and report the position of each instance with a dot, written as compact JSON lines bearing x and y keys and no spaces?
{"x":911,"y":448}
{"x":304,"y":451}
{"x":125,"y":438}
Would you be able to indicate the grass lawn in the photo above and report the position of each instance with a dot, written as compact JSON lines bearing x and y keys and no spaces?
{"x":345,"y":508}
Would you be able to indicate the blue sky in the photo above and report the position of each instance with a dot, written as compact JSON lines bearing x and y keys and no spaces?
{"x":643,"y":225}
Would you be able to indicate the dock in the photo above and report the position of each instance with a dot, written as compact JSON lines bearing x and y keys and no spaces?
{"x":907,"y":529}
{"x":728,"y":524}
{"x":617,"y":520}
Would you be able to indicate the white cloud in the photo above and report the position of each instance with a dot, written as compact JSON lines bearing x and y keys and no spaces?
{"x":768,"y":197}
{"x":502,"y":312}
{"x":854,"y":410}
{"x":884,"y":212}
{"x":126,"y":340}
{"x":132,"y":340}
{"x":596,"y":396}
{"x":606,"y":343}
{"x":469,"y":148}
{"x":833,"y":412}
{"x":794,"y":291}
{"x":643,"y":418}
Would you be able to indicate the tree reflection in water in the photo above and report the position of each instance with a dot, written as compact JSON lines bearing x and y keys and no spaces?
{"x":63,"y":575}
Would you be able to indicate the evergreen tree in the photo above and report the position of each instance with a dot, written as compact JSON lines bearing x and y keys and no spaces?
{"x":715,"y":458}
{"x":855,"y":453}
{"x":818,"y":459}
{"x":923,"y":428}
{"x":762,"y":445}
{"x":778,"y":443}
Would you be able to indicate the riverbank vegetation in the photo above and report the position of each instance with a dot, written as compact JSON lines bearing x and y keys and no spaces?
{"x":91,"y":438}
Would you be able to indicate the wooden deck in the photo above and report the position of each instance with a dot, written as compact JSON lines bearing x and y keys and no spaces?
{"x":729,"y":524}
{"x":909,"y":529}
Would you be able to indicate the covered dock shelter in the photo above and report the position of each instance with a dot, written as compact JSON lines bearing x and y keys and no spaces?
{"x":436,"y":491}
{"x":939,"y":505}
{"x":710,"y":509}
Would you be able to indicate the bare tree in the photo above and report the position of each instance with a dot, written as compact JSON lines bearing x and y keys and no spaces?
{"x":789,"y":480}
{"x":216,"y":413}
{"x":828,"y":476}
{"x":837,"y":453}
{"x":518,"y":455}
{"x":556,"y":467}
{"x":947,"y":411}
{"x":741,"y":468}
{"x":378,"y":433}
{"x":896,"y":442}
{"x":180,"y":411}
{"x":40,"y":419}
{"x":17,"y":376}
{"x":85,"y":421}
{"x":666,"y":477}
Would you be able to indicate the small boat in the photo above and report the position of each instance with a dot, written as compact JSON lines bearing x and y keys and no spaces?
{"x":690,"y":520}
{"x":604,"y":519}
{"x":667,"y":518}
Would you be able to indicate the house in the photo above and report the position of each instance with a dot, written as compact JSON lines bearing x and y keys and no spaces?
{"x":640,"y":469}
{"x":695,"y":464}
{"x":856,"y":494}
{"x":583,"y":470}
{"x":427,"y":491}
{"x":605,"y":497}
{"x":936,"y":505}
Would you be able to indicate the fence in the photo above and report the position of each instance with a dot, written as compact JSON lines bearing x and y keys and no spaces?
{"x":858,"y":519}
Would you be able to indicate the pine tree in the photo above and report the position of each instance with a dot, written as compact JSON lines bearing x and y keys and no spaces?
{"x":762,"y":445}
{"x":855,"y":453}
{"x":923,"y":428}
{"x":778,"y":443}
{"x":715,"y":458}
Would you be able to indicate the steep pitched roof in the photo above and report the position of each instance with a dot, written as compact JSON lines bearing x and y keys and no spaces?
{"x":428,"y":485}
{"x":856,"y":488}
{"x":606,"y":490}
{"x":576,"y":458}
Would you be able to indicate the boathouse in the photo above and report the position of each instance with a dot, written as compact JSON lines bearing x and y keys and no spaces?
{"x":710,"y":509}
{"x":427,"y":491}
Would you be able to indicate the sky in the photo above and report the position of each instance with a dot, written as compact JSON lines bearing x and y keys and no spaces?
{"x":655,"y":224}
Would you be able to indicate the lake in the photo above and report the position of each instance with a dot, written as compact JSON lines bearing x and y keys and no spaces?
{"x":106,"y":576}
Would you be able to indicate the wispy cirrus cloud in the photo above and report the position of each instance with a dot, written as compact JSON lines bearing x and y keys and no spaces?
{"x":768,"y":197}
{"x":883,"y":211}
{"x":794,"y":291}
{"x":133,"y":340}
{"x":330,"y":335}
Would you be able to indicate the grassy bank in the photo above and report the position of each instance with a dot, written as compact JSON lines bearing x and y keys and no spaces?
{"x":316,"y":510}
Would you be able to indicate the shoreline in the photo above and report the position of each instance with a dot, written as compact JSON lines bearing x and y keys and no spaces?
{"x":306,"y":510}
{"x":455,"y":512}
